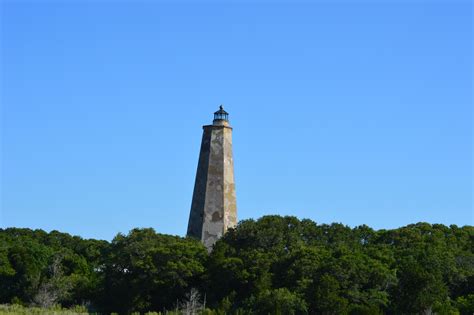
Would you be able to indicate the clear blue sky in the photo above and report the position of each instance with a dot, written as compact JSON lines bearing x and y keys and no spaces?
{"x":359,"y":113}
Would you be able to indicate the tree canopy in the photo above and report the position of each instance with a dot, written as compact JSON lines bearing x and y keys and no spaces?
{"x":273,"y":265}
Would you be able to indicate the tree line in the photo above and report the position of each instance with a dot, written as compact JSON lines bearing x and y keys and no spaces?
{"x":273,"y":265}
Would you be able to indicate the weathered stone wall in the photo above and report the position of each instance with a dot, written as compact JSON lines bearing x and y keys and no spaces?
{"x":230,"y":200}
{"x":200,"y":184}
{"x":213,"y":209}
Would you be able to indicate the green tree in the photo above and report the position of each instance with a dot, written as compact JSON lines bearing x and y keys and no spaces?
{"x":279,"y":302}
{"x":149,"y":271}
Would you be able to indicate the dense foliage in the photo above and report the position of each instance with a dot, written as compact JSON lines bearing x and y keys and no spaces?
{"x":275,"y":265}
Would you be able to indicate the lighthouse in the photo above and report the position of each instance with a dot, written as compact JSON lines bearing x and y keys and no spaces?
{"x":214,"y":207}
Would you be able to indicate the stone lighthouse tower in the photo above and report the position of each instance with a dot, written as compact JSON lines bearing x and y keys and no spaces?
{"x":214,"y":209}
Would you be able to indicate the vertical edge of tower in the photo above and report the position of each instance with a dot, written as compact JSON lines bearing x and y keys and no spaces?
{"x":196,"y":215}
{"x":230,"y":203}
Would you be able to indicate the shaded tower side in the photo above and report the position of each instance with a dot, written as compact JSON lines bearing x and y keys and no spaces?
{"x":213,"y":207}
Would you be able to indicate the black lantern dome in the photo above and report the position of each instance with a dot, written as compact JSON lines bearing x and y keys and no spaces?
{"x":221,"y":114}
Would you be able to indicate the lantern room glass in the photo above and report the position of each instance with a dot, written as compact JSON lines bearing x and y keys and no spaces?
{"x":221,"y":114}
